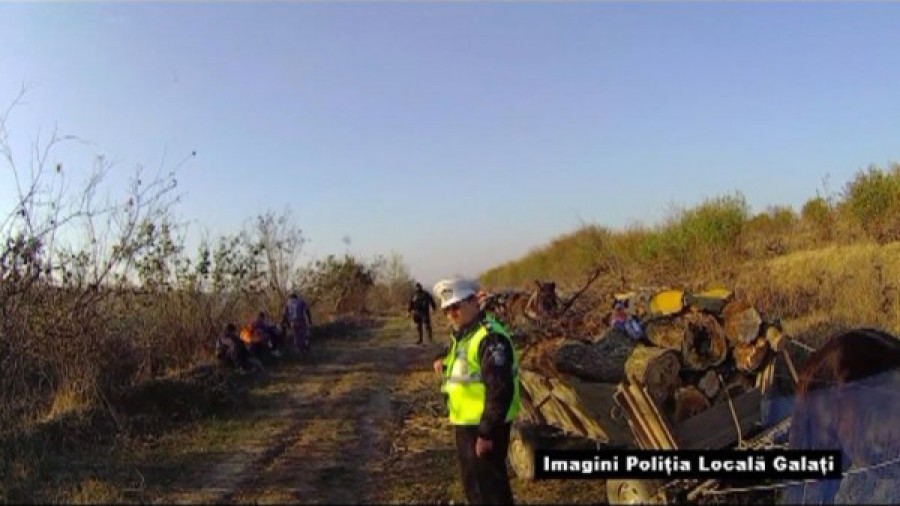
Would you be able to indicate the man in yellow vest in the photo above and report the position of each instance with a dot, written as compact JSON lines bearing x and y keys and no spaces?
{"x":480,"y":373}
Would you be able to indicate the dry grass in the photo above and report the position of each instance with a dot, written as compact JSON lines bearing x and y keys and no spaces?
{"x":855,"y":284}
{"x":93,"y":491}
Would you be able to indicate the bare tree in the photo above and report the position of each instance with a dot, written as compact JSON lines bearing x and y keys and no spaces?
{"x":281,"y":241}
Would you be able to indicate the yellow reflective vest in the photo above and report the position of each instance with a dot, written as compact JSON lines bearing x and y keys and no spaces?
{"x":463,"y":384}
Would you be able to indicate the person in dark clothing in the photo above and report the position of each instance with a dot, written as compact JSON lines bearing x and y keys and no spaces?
{"x":481,"y":385}
{"x":230,"y":351}
{"x":267,"y":334}
{"x":296,"y":322}
{"x":420,"y":307}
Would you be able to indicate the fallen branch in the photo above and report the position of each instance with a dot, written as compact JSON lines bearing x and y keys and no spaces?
{"x":594,"y":275}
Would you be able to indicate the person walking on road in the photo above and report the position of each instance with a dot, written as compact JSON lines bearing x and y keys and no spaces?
{"x":480,"y":373}
{"x":297,"y":319}
{"x":420,"y":307}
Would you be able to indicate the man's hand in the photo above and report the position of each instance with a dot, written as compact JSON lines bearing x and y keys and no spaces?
{"x":438,"y":366}
{"x":483,"y":447}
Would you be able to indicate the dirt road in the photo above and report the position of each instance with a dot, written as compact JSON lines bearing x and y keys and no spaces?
{"x":362,"y":423}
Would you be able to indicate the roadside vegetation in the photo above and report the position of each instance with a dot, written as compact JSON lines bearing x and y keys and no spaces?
{"x":835,"y":259}
{"x":99,"y":297}
{"x":107,"y":320}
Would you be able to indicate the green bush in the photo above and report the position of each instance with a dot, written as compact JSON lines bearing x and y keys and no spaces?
{"x":716,"y":224}
{"x":872,"y":201}
{"x":817,"y":211}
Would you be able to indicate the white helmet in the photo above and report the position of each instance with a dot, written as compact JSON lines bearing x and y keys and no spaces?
{"x":451,"y":291}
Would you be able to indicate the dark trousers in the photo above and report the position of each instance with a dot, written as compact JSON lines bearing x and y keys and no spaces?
{"x":423,"y":321}
{"x":484,"y":478}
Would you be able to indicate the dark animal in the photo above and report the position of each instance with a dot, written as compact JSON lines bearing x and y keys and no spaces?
{"x":848,"y":398}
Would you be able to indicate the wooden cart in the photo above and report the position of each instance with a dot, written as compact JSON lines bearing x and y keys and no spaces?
{"x":625,"y":416}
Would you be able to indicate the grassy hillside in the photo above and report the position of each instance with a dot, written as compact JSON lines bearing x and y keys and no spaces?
{"x":834,"y":260}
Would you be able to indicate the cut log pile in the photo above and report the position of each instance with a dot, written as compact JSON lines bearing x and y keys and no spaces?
{"x":698,"y":350}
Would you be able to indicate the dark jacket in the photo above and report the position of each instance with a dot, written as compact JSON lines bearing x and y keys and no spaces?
{"x":264,"y":330}
{"x":496,"y":358}
{"x":422,"y":303}
{"x":296,"y":313}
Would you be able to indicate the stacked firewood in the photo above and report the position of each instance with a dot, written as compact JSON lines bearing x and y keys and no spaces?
{"x":698,"y":349}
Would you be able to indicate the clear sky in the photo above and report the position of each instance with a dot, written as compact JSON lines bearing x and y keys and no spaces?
{"x":461,"y":134}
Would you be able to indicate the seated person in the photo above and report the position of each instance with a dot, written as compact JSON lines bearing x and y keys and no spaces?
{"x":267,"y":333}
{"x":230,"y":351}
{"x":619,"y":315}
{"x":621,"y":320}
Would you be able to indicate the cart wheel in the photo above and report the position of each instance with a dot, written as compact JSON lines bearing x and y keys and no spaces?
{"x":521,"y":451}
{"x":635,"y":492}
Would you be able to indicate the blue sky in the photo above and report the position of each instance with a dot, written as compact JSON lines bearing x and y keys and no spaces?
{"x":459,"y":134}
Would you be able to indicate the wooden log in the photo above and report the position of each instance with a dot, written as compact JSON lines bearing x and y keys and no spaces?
{"x":580,"y":359}
{"x":654,"y":368}
{"x":666,"y":303}
{"x":704,"y":343}
{"x":742,"y":322}
{"x":689,"y":401}
{"x":709,"y":384}
{"x":615,"y":346}
{"x":710,"y":301}
{"x":666,"y":333}
{"x":603,"y":361}
{"x":539,"y":357}
{"x":748,"y":357}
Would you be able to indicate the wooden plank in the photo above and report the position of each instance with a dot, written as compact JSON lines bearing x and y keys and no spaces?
{"x":641,"y":437}
{"x":660,"y":421}
{"x":529,"y":404}
{"x":714,"y":428}
{"x":556,"y":409}
{"x":528,"y":407}
{"x":557,"y":415}
{"x":766,"y":376}
{"x":790,"y":364}
{"x":577,"y":408}
{"x":594,"y":403}
{"x":649,"y":417}
{"x":641,"y":433}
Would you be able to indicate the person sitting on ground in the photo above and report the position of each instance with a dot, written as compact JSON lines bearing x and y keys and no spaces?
{"x":230,"y":351}
{"x":619,"y":315}
{"x":253,"y":346}
{"x":621,"y":320}
{"x":267,"y":333}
